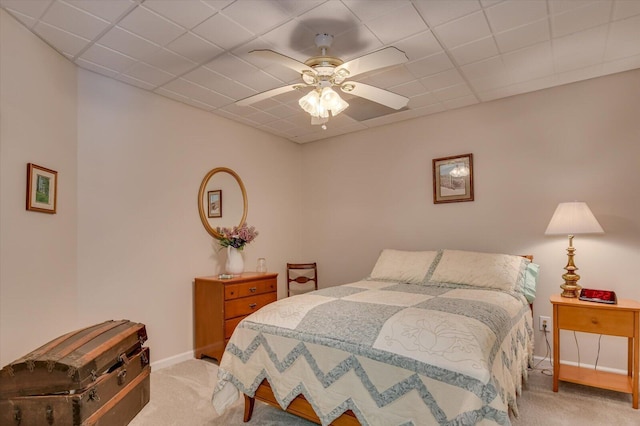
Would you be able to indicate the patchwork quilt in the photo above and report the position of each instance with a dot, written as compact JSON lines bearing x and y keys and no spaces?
{"x":393,"y":353}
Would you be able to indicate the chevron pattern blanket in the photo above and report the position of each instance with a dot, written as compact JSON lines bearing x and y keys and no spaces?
{"x":393,"y":353}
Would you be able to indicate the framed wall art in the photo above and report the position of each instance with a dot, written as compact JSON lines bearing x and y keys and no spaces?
{"x":215,"y":203}
{"x":42,"y":189}
{"x":453,"y":179}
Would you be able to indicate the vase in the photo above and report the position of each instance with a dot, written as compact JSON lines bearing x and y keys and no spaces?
{"x":235,"y":263}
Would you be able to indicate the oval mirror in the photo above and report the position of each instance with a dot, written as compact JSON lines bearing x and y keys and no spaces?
{"x":222,"y":200}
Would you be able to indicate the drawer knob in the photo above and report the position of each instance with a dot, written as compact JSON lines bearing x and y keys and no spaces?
{"x":253,"y":289}
{"x":253,"y":305}
{"x":594,"y":320}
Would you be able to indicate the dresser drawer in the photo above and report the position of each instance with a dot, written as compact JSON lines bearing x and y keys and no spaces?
{"x":247,"y":305}
{"x":594,"y":320}
{"x":233,"y":291}
{"x":230,"y":325}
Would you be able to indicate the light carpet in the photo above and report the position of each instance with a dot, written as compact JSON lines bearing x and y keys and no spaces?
{"x":181,"y":396}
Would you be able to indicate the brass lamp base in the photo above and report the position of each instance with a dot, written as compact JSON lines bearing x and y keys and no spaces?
{"x":570,"y":288}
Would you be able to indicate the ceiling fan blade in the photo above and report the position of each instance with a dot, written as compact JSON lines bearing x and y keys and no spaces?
{"x":282,"y":60}
{"x":375,"y":94}
{"x":382,"y":58}
{"x":268,"y":94}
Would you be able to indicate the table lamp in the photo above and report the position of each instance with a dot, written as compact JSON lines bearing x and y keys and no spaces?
{"x":571,"y":219}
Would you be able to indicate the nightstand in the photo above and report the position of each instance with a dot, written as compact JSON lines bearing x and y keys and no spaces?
{"x":220,"y":304}
{"x":620,"y":319}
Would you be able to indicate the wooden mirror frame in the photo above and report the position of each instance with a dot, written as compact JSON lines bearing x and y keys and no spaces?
{"x":201,"y":208}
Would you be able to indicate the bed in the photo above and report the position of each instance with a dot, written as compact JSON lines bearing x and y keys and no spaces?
{"x":430,"y":337}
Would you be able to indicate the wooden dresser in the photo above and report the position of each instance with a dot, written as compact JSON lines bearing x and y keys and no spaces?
{"x":220,"y":304}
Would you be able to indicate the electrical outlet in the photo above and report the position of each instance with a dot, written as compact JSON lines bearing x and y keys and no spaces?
{"x":542,"y":321}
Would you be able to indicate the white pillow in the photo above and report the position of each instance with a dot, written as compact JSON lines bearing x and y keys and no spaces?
{"x":403,"y":266}
{"x":489,"y":270}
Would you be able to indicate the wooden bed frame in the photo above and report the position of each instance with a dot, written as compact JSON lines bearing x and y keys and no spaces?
{"x":300,"y":406}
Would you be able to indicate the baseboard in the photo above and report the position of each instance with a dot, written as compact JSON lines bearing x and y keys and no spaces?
{"x":547,"y":364}
{"x":172,"y":360}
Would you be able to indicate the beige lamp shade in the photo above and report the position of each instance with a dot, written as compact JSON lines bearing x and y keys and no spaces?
{"x":573,"y":218}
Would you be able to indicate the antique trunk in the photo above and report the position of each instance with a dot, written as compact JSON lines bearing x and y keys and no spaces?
{"x":96,"y":375}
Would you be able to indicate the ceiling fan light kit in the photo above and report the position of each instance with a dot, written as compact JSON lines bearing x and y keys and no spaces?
{"x":324,"y":72}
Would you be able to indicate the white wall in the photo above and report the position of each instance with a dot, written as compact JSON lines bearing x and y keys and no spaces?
{"x":127,"y":240}
{"x":141,"y":160}
{"x":373,"y":190}
{"x":38,"y":266}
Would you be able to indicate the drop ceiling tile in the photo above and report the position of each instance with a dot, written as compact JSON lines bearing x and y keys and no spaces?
{"x":419,"y":45}
{"x":623,"y":38}
{"x":625,"y":9}
{"x":461,"y":102}
{"x":73,"y":20}
{"x":32,"y":9}
{"x":441,"y":80}
{"x":187,"y":14}
{"x":453,"y":92}
{"x":438,"y":12}
{"x":578,"y":75}
{"x":128,"y":43}
{"x":580,"y":49}
{"x":397,"y":24}
{"x":151,"y":26}
{"x":170,"y":62}
{"x":256,"y":15}
{"x":212,"y":98}
{"x":463,"y":30}
{"x":282,"y":111}
{"x":261,"y":117}
{"x":194,"y":48}
{"x":106,"y":57}
{"x":171,"y":95}
{"x":341,"y":19}
{"x":367,"y":10}
{"x":530,"y":63}
{"x":476,"y":70}
{"x":135,"y":82}
{"x":223,"y":32}
{"x":430,"y":65}
{"x":412,"y":88}
{"x":489,"y":3}
{"x":392,"y":76}
{"x":422,"y":100}
{"x":487,"y":75}
{"x":108,"y":10}
{"x":218,"y":83}
{"x":620,"y":65}
{"x":561,"y":6}
{"x":523,"y":36}
{"x":148,"y":74}
{"x":474,"y":51}
{"x":96,"y":68}
{"x":297,"y":7}
{"x":352,"y":43}
{"x":63,"y":41}
{"x":510,"y":14}
{"x":218,"y":5}
{"x":244,"y":73}
{"x":292,"y":39}
{"x":582,"y":18}
{"x":197,"y":92}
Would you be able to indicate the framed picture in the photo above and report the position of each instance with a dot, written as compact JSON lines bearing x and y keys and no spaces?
{"x":453,"y":179}
{"x":42,"y":189}
{"x":215,"y":203}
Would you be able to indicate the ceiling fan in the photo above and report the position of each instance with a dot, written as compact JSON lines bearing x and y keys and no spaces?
{"x":324,"y":72}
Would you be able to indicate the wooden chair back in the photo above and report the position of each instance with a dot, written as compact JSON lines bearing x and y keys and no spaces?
{"x":301,"y":273}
